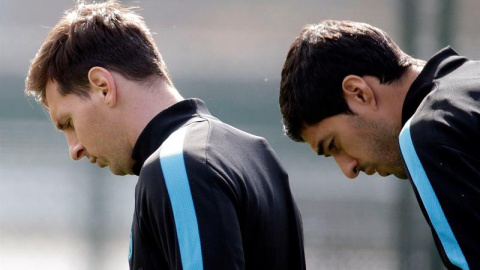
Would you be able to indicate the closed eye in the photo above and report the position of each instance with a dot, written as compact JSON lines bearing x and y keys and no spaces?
{"x":331,"y":148}
{"x":68,"y":124}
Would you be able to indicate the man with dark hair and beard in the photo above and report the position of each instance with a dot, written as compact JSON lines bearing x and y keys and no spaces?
{"x":350,"y":92}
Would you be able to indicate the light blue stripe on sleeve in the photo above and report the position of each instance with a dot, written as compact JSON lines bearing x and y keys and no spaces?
{"x":430,"y":200}
{"x":130,"y":249}
{"x":176,"y":180}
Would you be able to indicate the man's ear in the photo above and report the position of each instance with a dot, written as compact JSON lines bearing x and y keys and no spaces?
{"x":358,"y":93}
{"x":103,"y":85}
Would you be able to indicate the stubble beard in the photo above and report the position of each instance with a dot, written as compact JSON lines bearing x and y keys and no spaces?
{"x":383,"y":145}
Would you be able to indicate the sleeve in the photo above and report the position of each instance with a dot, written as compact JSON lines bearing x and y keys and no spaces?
{"x":190,"y":214}
{"x":442,"y":160}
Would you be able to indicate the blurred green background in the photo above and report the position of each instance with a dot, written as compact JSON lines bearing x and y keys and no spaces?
{"x":60,"y":214}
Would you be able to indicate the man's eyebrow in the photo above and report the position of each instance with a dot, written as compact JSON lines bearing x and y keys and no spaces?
{"x":59,"y":126}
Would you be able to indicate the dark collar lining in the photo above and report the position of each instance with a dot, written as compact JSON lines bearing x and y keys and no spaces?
{"x":162,"y":125}
{"x":423,"y":85}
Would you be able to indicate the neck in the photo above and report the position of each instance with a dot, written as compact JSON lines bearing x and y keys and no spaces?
{"x":410,"y":76}
{"x":144,"y":104}
{"x":402,"y":87}
{"x":413,"y":71}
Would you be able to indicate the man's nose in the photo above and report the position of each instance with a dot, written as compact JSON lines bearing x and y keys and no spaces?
{"x":347,"y":164}
{"x":75,"y":148}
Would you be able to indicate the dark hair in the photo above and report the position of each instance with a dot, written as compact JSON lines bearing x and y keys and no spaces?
{"x":106,"y":34}
{"x":318,"y":61}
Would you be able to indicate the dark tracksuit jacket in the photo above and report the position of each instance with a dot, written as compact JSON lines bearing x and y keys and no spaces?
{"x":440,"y":145}
{"x":210,"y":196}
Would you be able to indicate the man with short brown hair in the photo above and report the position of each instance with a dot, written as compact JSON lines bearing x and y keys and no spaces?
{"x":209,"y":196}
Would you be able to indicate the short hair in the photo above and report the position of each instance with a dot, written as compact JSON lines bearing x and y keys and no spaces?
{"x":105,"y":34}
{"x":318,"y":61}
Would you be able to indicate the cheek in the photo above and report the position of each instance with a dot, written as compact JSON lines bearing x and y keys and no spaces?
{"x":89,"y":130}
{"x":357,"y":145}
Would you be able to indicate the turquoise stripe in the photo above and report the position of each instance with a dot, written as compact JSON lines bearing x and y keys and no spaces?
{"x":130,"y":250}
{"x":178,"y":186}
{"x":430,"y":200}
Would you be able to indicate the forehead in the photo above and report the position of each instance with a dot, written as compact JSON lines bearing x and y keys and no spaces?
{"x":59,"y":105}
{"x":53,"y":98}
{"x":51,"y":89}
{"x":312,"y":134}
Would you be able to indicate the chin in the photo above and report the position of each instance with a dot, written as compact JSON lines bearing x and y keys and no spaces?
{"x":116,"y":171}
{"x":399,"y":172}
{"x":120,"y":172}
